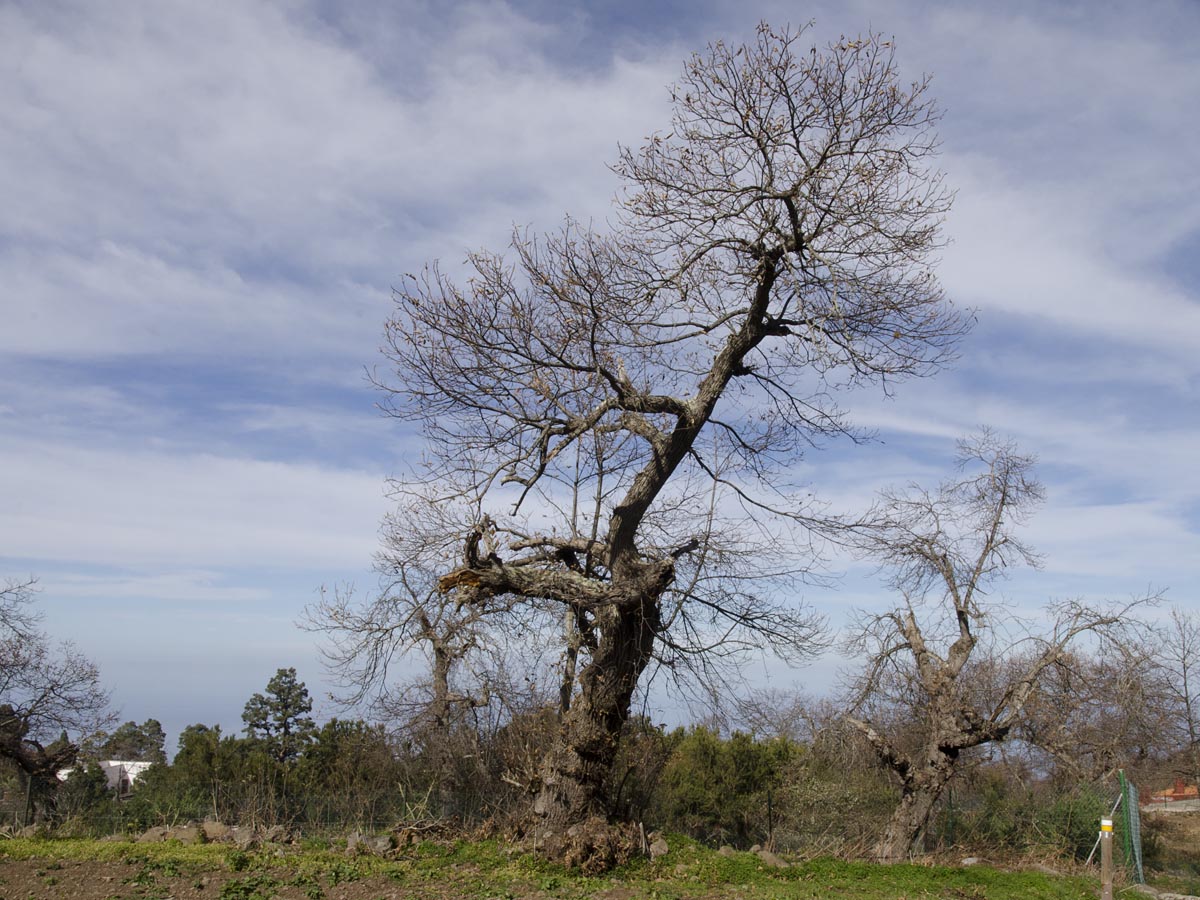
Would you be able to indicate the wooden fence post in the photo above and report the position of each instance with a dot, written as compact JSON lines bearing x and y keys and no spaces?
{"x":1106,"y":859}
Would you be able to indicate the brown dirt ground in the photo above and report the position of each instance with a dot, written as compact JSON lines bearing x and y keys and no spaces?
{"x":41,"y":879}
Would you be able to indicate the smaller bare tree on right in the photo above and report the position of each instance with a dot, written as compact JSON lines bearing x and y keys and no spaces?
{"x":1179,"y":659}
{"x":948,"y":669}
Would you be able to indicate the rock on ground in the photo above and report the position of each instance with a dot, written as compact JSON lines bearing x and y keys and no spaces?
{"x":771,"y":859}
{"x":658,"y":848}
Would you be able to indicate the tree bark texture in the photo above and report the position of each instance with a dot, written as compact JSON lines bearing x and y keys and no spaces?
{"x":919,"y":796}
{"x":575,"y":772}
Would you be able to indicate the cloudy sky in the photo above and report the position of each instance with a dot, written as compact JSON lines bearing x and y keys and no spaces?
{"x":203,"y":207}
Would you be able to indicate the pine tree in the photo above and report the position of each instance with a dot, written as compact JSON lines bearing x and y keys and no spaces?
{"x":280,"y":718}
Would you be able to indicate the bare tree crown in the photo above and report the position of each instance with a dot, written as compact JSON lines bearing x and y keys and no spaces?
{"x":772,"y":247}
{"x":955,"y":540}
{"x":45,"y":689}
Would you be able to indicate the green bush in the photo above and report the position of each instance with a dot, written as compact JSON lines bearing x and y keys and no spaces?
{"x":718,"y":790}
{"x":993,"y":812}
{"x":84,"y":805}
{"x":827,"y":806}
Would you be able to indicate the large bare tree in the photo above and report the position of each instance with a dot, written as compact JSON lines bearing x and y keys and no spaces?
{"x":950,"y":669}
{"x":610,"y":416}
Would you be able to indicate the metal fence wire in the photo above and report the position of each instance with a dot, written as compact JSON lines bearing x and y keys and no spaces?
{"x":1132,"y":833}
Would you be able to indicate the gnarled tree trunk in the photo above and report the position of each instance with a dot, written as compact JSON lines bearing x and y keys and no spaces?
{"x":919,"y":796}
{"x":575,"y":772}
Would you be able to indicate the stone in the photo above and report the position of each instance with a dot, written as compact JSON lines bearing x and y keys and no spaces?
{"x":770,"y":859}
{"x":970,"y":861}
{"x":358,"y":842}
{"x":153,"y":835}
{"x":246,"y":838}
{"x":380,"y":845}
{"x":658,"y":847}
{"x":216,"y":831}
{"x":187,"y":834}
{"x":726,"y":850}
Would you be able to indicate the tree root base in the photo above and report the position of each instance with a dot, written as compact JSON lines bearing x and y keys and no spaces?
{"x":592,"y":846}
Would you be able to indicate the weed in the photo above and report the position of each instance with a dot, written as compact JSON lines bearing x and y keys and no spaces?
{"x":148,"y":874}
{"x":259,"y":886}
{"x":341,"y":871}
{"x":1179,"y":884}
{"x":143,"y":877}
{"x":309,"y":885}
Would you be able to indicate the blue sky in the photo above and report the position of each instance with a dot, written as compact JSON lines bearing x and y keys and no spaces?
{"x":203,"y":208}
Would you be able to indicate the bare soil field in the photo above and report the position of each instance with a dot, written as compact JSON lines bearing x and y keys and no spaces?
{"x":114,"y":880}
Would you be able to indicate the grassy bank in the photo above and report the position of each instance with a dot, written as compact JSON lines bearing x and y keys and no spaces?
{"x":492,"y":870}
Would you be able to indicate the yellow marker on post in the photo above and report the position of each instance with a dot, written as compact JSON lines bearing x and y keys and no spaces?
{"x":1106,"y":860}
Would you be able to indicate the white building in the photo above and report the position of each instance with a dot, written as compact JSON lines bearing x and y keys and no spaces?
{"x":121,"y":774}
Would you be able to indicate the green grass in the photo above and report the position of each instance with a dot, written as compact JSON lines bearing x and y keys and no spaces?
{"x":494,"y":870}
{"x":85,"y":849}
{"x":1188,"y":885}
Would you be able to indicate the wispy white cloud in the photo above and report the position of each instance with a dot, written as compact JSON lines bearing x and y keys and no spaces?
{"x":178,"y":589}
{"x":188,"y":178}
{"x":75,"y":504}
{"x":1030,"y":251}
